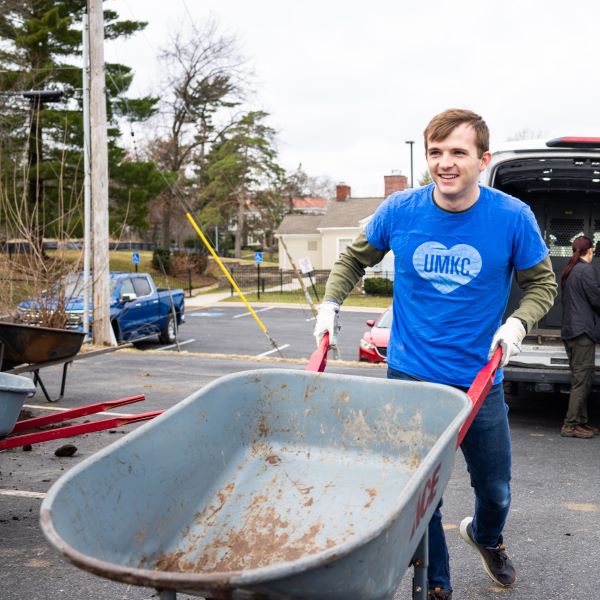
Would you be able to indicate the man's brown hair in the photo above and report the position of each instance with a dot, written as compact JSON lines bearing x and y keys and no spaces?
{"x":442,"y":125}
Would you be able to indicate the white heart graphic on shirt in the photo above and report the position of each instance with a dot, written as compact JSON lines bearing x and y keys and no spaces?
{"x":447,"y":268}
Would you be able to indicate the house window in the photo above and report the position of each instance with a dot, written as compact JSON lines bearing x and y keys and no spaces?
{"x":312,"y":246}
{"x":343,"y":243}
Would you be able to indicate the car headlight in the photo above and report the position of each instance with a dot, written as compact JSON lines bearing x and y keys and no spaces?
{"x":366,"y":345}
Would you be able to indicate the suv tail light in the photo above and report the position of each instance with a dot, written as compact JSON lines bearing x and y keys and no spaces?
{"x":574,"y":142}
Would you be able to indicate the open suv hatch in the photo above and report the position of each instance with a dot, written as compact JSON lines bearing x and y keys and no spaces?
{"x":560,"y":181}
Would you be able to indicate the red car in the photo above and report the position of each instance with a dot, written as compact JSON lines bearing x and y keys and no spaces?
{"x":373,"y":344}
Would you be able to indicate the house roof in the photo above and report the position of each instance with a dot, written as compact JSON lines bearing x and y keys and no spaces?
{"x":299,"y":224}
{"x":308,"y":203}
{"x":347,"y":213}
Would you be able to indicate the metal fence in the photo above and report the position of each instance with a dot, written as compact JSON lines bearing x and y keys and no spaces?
{"x":274,"y":280}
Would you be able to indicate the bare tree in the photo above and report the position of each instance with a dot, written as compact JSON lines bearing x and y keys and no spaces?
{"x":298,"y":184}
{"x":526,"y":134}
{"x":205,"y":78}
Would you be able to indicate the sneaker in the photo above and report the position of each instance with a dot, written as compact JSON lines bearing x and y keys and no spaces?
{"x":495,"y":560}
{"x":588,"y":427}
{"x":576,"y":431}
{"x":440,"y":593}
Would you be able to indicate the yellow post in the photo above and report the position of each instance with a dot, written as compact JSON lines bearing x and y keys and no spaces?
{"x":229,"y":277}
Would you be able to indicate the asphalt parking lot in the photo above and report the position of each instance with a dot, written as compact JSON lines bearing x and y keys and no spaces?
{"x":227,"y":329}
{"x":552,"y":533}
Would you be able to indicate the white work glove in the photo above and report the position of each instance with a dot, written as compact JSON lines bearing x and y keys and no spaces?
{"x":509,"y":337}
{"x":328,"y":321}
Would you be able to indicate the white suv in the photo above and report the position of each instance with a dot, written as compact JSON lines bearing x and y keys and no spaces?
{"x":560,"y":180}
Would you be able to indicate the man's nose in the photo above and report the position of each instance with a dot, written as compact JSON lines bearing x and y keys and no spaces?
{"x":446,"y":161}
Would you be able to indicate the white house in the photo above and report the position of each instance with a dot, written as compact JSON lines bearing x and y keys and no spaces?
{"x":321,"y":238}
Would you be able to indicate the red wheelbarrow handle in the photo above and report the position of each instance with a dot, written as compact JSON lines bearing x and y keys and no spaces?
{"x":74,"y":430}
{"x":318,"y":359}
{"x":74,"y":413}
{"x":479,"y":390}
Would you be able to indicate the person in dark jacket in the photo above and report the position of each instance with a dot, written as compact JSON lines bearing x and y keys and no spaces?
{"x":580,"y":333}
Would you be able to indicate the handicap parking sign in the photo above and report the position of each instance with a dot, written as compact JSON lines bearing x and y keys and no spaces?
{"x":135,"y":258}
{"x":258,"y":257}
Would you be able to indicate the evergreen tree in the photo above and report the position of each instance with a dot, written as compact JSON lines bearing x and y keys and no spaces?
{"x":41,"y":143}
{"x":243,"y":179}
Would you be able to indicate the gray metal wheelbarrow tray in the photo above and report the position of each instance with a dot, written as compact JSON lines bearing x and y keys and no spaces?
{"x":267,"y":484}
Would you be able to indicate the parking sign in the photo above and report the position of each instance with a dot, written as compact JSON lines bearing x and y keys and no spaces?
{"x":135,"y":258}
{"x":258,"y":257}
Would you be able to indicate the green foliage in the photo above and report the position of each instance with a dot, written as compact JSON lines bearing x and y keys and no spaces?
{"x":378,"y":286}
{"x":243,"y":177}
{"x":161,"y":260}
{"x":40,"y":48}
{"x":425,"y":178}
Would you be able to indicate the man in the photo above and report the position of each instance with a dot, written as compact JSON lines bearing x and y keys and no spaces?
{"x":456,"y":245}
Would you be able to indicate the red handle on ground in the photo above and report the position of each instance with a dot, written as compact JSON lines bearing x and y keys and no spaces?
{"x":479,"y":390}
{"x":73,"y":430}
{"x":318,"y":359}
{"x":82,"y":411}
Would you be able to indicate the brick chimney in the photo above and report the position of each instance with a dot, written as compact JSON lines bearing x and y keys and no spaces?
{"x":394,"y":183}
{"x":342,"y":192}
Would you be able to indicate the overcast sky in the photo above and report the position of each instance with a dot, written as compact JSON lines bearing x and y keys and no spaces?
{"x":347,"y":82}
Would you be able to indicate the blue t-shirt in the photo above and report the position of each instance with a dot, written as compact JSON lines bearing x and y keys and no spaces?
{"x":452,"y":277}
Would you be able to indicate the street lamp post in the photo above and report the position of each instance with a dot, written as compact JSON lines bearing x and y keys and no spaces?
{"x":411,"y":142}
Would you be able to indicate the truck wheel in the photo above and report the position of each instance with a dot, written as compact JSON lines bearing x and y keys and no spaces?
{"x":168,"y":333}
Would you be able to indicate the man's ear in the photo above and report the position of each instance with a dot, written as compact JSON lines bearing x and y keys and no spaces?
{"x":485,"y":160}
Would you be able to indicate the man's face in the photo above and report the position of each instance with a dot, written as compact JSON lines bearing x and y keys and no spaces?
{"x":455,"y":166}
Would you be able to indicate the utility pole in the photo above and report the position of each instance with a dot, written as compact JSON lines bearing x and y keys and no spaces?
{"x":87,"y":178}
{"x":411,"y":142}
{"x":99,"y":179}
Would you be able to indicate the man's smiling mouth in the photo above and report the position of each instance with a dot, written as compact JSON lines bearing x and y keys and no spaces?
{"x":448,"y":176}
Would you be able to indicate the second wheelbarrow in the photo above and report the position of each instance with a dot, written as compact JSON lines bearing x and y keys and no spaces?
{"x":268,"y":484}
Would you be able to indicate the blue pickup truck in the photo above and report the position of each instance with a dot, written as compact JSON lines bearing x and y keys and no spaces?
{"x":138,"y":309}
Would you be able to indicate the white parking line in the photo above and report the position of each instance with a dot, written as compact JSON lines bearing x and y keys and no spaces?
{"x":274,"y":350}
{"x":175,"y":345}
{"x":311,"y":319}
{"x":256,"y":311}
{"x":22,"y":494}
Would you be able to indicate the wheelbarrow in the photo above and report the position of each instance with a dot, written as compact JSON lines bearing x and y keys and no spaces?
{"x":38,"y":347}
{"x":267,"y":484}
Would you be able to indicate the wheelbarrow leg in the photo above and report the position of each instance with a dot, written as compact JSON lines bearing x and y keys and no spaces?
{"x":420,"y":562}
{"x":167,"y":594}
{"x":37,"y":380}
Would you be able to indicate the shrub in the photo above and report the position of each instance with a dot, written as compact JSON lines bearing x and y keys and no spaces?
{"x":193,"y":243}
{"x":378,"y":286}
{"x":182,"y":261}
{"x":161,"y":260}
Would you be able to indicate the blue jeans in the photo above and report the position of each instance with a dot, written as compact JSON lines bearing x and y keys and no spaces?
{"x":487,"y":452}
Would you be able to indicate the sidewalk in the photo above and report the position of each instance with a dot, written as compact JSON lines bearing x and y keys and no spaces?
{"x":207,"y":300}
